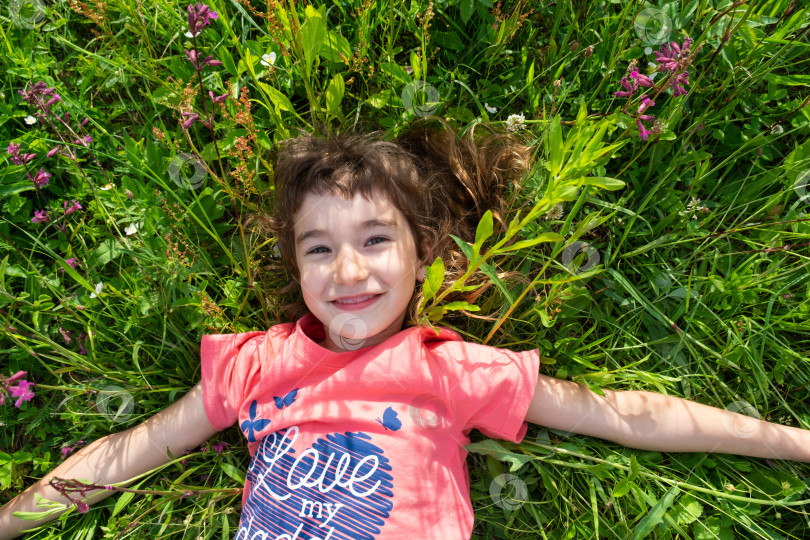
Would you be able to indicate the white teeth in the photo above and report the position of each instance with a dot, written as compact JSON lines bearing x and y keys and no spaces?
{"x":356,"y":300}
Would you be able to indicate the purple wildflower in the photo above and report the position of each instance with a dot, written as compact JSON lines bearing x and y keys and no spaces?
{"x":199,"y":17}
{"x":53,"y":100}
{"x":217,"y":99}
{"x":643,"y":80}
{"x":38,"y":92}
{"x":41,"y":216}
{"x":210,"y":61}
{"x":75,"y":206}
{"x":219,"y":447}
{"x":41,"y":179}
{"x":672,"y":57}
{"x":72,"y":262}
{"x":629,"y":88}
{"x":23,"y":392}
{"x":646,"y":102}
{"x":65,"y":335}
{"x":192,"y":117}
{"x":677,"y":82}
{"x":52,"y":152}
{"x":80,"y":341}
{"x":17,"y":158}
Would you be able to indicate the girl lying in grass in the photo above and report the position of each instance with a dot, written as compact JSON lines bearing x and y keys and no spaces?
{"x":332,"y":404}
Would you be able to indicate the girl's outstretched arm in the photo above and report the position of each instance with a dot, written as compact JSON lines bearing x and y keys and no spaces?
{"x":118,"y":457}
{"x":652,"y":421}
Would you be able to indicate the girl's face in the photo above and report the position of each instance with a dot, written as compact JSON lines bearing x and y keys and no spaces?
{"x":358,"y":264}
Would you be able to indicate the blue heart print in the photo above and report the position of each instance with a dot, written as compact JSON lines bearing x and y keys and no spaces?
{"x":338,"y":488}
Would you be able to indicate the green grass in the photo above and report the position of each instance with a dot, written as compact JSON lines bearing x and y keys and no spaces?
{"x":712,"y":305}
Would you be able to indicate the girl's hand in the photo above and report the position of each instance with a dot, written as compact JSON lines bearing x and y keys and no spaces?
{"x":118,"y":457}
{"x":652,"y":421}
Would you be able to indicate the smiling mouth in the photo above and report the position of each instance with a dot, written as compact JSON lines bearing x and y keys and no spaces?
{"x":355,"y":300}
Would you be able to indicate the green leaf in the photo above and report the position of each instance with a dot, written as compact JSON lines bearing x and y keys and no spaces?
{"x":603,"y":182}
{"x":434,"y":280}
{"x":465,"y":247}
{"x":380,"y":100}
{"x":336,"y":48}
{"x":555,"y":147}
{"x":122,"y":502}
{"x":234,"y":473}
{"x":466,"y":9}
{"x":104,"y":253}
{"x":545,"y":237}
{"x":622,"y":488}
{"x":279,"y":100}
{"x":687,"y":510}
{"x":334,"y":93}
{"x":656,"y":514}
{"x":455,"y":306}
{"x":313,"y":36}
{"x":482,"y":232}
{"x":489,"y":271}
{"x":492,"y":448}
{"x":395,"y":71}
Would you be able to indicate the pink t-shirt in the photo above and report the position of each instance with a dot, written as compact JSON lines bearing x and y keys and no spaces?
{"x":366,"y":443}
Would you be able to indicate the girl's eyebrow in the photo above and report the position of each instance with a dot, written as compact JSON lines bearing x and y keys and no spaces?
{"x":368,"y":224}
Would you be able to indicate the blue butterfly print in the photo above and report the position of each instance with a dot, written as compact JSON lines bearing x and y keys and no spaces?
{"x":390,"y":420}
{"x":286,"y":400}
{"x":250,"y":427}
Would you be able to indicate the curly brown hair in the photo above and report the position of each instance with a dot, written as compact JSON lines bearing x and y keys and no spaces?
{"x":442,"y":181}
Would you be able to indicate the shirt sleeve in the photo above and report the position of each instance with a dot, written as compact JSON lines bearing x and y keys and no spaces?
{"x":490,"y":388}
{"x":230,"y":362}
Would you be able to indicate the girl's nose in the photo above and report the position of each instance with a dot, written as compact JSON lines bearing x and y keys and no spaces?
{"x":350,"y":267}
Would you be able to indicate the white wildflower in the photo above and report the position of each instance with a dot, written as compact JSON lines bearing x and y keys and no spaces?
{"x":99,"y":285}
{"x":777,"y":130}
{"x":515,"y":122}
{"x":648,"y":50}
{"x":269,"y":59}
{"x":189,"y":35}
{"x":107,"y":187}
{"x":30,"y":120}
{"x":131,"y":229}
{"x":276,"y":251}
{"x":490,"y":110}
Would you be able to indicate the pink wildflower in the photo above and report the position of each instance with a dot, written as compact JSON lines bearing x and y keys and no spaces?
{"x":217,"y":99}
{"x":23,"y":392}
{"x":199,"y":17}
{"x":41,"y":179}
{"x":192,"y":117}
{"x":74,"y":207}
{"x":643,"y":80}
{"x":41,"y":216}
